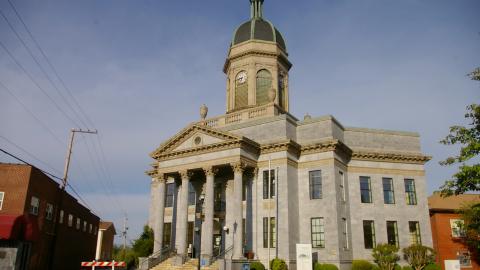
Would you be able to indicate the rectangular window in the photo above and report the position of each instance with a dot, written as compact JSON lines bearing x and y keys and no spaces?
{"x":266,"y":184}
{"x":84,"y":226}
{"x":457,"y":228}
{"x":464,"y":258}
{"x":414,"y":229}
{"x":317,"y":232}
{"x":365,"y":189}
{"x":70,"y":220}
{"x":167,"y":234}
{"x":392,"y":233}
{"x":49,"y":211}
{"x":90,"y":228}
{"x":191,"y":194}
{"x":342,"y":186}
{"x":77,"y":225}
{"x":2,"y":195}
{"x":34,"y":205}
{"x":388,"y":193}
{"x":315,"y":178}
{"x":61,"y":217}
{"x":369,"y":234}
{"x":410,"y":194}
{"x":169,"y":195}
{"x":345,"y":233}
{"x":272,"y":232}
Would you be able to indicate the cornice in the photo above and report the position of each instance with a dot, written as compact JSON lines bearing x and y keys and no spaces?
{"x":282,"y":58}
{"x":391,"y":157}
{"x":289,"y":146}
{"x":332,"y":145}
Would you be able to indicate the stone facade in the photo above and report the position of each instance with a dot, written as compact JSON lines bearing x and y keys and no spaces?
{"x":227,"y":159}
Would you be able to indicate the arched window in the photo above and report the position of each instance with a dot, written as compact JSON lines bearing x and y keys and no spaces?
{"x":241,"y":90}
{"x":264,"y":84}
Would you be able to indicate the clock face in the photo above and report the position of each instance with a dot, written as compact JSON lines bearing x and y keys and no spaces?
{"x":242,"y":77}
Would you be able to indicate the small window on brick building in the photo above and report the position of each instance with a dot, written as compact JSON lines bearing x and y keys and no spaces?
{"x":95,"y":230}
{"x":457,"y":228}
{"x":90,"y":228}
{"x":49,"y":211}
{"x":70,"y":220}
{"x":34,"y":205}
{"x":464,"y":258}
{"x":84,"y":226}
{"x":2,"y":195}
{"x":61,"y":217}
{"x":77,"y":226}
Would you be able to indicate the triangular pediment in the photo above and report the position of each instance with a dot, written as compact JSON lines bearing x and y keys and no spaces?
{"x":195,"y":136}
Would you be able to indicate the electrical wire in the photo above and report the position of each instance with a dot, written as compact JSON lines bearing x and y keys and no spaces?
{"x":50,"y":64}
{"x":40,"y":66}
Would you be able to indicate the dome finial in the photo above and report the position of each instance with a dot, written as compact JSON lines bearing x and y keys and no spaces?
{"x":256,"y":9}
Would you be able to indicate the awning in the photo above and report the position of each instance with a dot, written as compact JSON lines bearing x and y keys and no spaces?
{"x":23,"y":227}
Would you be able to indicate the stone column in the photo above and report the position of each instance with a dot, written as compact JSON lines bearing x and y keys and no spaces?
{"x":208,"y":206}
{"x":237,"y":210}
{"x":159,"y":209}
{"x":182,"y":220}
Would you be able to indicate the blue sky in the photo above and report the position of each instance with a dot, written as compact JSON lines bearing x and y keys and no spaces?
{"x":141,"y":70}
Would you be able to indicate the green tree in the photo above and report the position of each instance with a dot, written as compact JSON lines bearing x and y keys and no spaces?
{"x":385,"y":256}
{"x":471,"y":227}
{"x":475,"y":74}
{"x":468,"y":176}
{"x":419,"y":256}
{"x":143,"y":246}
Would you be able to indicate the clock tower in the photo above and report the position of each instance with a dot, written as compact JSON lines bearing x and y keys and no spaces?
{"x":257,"y":65}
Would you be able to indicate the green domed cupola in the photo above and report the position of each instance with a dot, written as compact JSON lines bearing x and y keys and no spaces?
{"x":257,"y":28}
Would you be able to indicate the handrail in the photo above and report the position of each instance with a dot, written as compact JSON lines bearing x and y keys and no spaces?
{"x":222,"y":253}
{"x":159,"y":254}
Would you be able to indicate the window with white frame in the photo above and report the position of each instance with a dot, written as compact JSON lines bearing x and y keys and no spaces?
{"x":70,"y":220}
{"x":84,"y":226}
{"x":457,"y":228}
{"x":345,"y":234}
{"x":90,"y":228}
{"x":61,"y":217}
{"x":34,"y":205}
{"x":49,"y":211}
{"x":2,"y":196}
{"x":464,"y":258}
{"x":77,"y":226}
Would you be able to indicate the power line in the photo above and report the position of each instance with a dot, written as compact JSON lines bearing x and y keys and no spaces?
{"x":31,"y":113}
{"x":40,"y":66}
{"x":47,"y":173}
{"x":50,"y":64}
{"x":37,"y":85}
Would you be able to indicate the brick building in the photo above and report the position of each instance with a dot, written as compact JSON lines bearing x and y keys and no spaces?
{"x":29,"y":201}
{"x":446,"y":234}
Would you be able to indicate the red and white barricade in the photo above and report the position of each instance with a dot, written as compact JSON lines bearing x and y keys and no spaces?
{"x":112,"y":264}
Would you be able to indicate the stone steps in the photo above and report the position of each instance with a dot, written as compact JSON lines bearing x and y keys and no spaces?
{"x":191,"y":264}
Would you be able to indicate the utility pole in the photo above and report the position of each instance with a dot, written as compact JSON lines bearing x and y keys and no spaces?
{"x":61,"y":194}
{"x":69,"y":152}
{"x":124,"y":235}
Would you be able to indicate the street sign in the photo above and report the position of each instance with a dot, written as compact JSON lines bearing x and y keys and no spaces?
{"x":304,"y":256}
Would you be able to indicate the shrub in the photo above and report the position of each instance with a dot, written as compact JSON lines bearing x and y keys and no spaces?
{"x":362,"y":265}
{"x":419,"y":256}
{"x":326,"y":266}
{"x":278,"y":264}
{"x":407,"y":267}
{"x":398,"y":267}
{"x":385,"y":256}
{"x":257,"y":266}
{"x":433,"y":266}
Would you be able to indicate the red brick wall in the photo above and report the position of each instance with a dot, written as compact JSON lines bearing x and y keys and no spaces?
{"x":444,"y":244}
{"x":20,"y":183}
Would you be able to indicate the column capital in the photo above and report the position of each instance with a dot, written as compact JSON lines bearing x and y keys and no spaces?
{"x":210,"y":171}
{"x":185,"y":174}
{"x":238,"y":167}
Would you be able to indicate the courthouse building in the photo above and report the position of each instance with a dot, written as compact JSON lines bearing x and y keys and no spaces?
{"x":341,"y":189}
